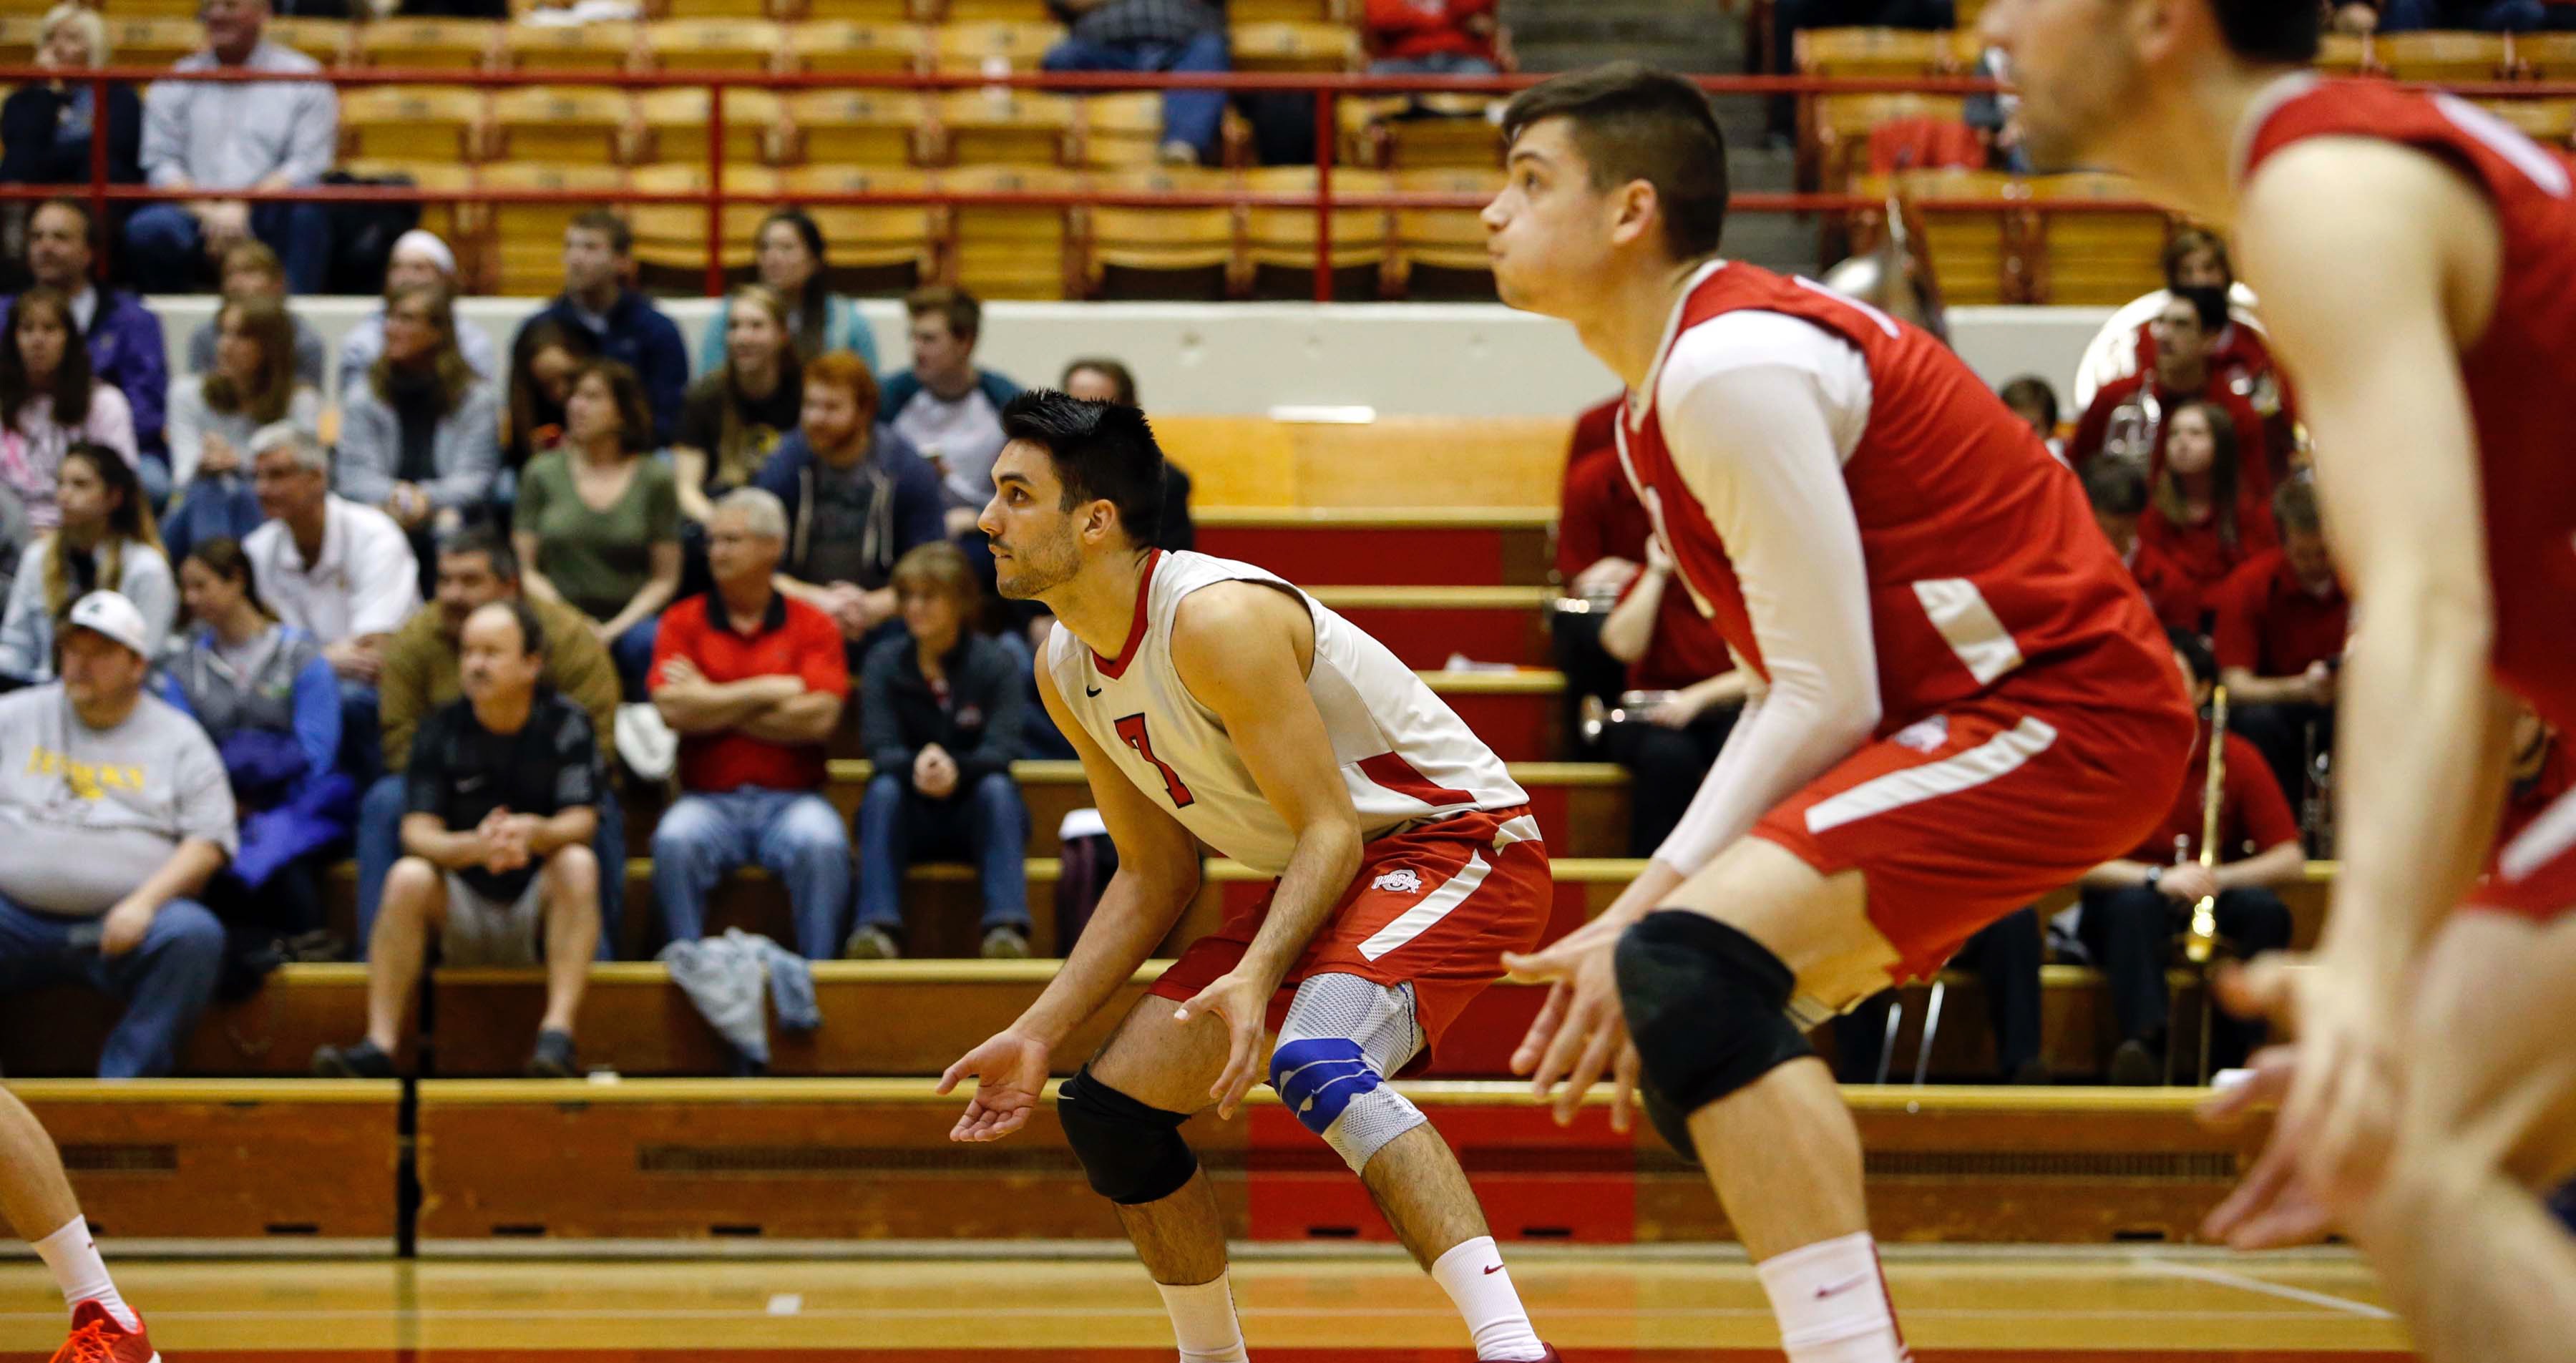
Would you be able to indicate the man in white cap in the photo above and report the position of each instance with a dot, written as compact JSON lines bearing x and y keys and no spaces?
{"x":419,"y":258}
{"x":114,"y":811}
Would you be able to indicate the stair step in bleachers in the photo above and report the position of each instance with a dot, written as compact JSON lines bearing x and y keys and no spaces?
{"x":1363,"y":546}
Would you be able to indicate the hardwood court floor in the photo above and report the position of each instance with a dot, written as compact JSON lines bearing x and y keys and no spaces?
{"x":1959,"y":1306}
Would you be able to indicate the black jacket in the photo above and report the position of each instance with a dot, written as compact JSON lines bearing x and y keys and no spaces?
{"x":980,"y":726}
{"x":28,"y":119}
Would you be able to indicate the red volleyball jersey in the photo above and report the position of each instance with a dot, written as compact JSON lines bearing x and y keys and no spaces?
{"x":2520,"y":372}
{"x":1982,"y":557}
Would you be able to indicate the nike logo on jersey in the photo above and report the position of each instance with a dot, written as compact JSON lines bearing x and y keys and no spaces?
{"x":1837,"y":1289}
{"x":1090,"y":690}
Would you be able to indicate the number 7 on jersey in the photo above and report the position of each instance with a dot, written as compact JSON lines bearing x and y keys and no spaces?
{"x":1131,"y":730}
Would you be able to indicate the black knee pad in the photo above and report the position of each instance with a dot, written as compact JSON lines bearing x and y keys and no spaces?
{"x":1132,"y":1153}
{"x":1671,"y":1123}
{"x":1708,"y":1007}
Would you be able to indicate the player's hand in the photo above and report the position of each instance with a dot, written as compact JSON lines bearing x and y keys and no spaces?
{"x":1242,"y":1003}
{"x":2271,"y":1209}
{"x":1579,"y":1032}
{"x":1012,"y":1074}
{"x":2189,"y":882}
{"x":2339,"y":1109}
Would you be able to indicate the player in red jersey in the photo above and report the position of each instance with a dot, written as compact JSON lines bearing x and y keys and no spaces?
{"x":1965,"y":701}
{"x":2416,"y":259}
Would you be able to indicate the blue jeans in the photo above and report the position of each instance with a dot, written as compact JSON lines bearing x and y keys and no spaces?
{"x":165,"y":983}
{"x":632,"y":652}
{"x":1192,"y":116}
{"x":987,"y":825}
{"x":796,"y":835}
{"x":362,"y":738}
{"x":165,"y":250}
{"x":380,"y":816}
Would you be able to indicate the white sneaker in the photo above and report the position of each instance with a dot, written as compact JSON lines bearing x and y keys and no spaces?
{"x":646,"y":742}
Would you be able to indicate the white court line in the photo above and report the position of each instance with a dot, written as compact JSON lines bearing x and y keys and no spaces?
{"x":425,"y":1316}
{"x":2224,"y":1278}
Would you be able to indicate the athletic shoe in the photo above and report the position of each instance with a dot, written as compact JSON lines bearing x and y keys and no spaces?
{"x":871,"y":944}
{"x":97,"y":1338}
{"x":1006,"y":944}
{"x":364,"y":1060}
{"x":553,"y":1058}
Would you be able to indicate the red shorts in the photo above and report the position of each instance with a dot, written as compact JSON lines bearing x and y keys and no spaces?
{"x":1975,"y":811}
{"x":1435,"y":906}
{"x":2533,"y":874}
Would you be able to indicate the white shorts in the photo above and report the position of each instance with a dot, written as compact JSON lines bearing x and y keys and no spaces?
{"x":483,"y":932}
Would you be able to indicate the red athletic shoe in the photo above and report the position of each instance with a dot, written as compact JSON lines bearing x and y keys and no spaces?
{"x":97,"y":1338}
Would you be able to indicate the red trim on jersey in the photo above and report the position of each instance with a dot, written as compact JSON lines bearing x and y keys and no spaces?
{"x":1393,"y":772}
{"x":1114,"y":668}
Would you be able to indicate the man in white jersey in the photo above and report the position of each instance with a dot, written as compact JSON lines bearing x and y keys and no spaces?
{"x":1212,"y":701}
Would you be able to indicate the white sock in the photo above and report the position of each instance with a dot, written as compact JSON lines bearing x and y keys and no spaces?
{"x":1203,"y":1319}
{"x":1473,"y":1275}
{"x":80,"y":1273}
{"x":1832,"y":1304}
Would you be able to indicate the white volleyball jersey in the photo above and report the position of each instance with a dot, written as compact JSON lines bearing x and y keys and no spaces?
{"x":1404,"y":754}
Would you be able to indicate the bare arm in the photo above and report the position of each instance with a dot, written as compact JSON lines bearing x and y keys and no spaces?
{"x":2276,"y":865}
{"x":689,"y":470}
{"x":2244,"y":688}
{"x":536,"y":583}
{"x":190,"y":865}
{"x":656,"y":593}
{"x":564,"y":828}
{"x":1631,"y":626}
{"x":808,"y":717}
{"x":698,"y":706}
{"x":424,"y":836}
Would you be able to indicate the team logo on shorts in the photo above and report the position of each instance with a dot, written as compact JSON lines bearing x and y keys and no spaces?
{"x":1401,"y":880}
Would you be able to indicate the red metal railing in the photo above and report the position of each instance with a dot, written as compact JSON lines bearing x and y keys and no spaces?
{"x":1328,"y":90}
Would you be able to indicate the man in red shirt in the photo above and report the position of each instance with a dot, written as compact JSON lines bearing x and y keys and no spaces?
{"x":2133,"y":906}
{"x":1601,"y":531}
{"x":1433,"y":38}
{"x":2127,"y":418}
{"x":2282,"y":619}
{"x":753,"y":682}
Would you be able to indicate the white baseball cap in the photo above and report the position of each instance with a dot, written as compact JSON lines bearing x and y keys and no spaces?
{"x":111,"y":615}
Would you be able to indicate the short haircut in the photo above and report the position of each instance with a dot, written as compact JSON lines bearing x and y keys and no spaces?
{"x":532,"y":631}
{"x":1102,"y":452}
{"x":621,"y":238}
{"x":2195,"y":654}
{"x":254,"y":255}
{"x":1121,"y":378}
{"x":487,"y":540}
{"x":2283,"y":32}
{"x":759,"y":506}
{"x":2031,"y":391}
{"x":2192,"y":241}
{"x":634,"y":410}
{"x":2208,"y":305}
{"x":89,"y":221}
{"x":2115,"y":487}
{"x":843,"y":369}
{"x":938,"y":568}
{"x":1632,"y":122}
{"x":965,"y":315}
{"x":2294,"y":506}
{"x":309,"y":453}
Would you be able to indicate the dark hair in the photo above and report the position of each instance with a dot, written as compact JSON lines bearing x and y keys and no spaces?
{"x":1120,"y":377}
{"x":1102,"y":452}
{"x":1632,"y":122}
{"x":454,"y":377}
{"x":2224,"y":475}
{"x":89,"y":221}
{"x":634,"y":412}
{"x":532,"y":631}
{"x":266,"y":320}
{"x":485,"y":539}
{"x":2285,"y":32}
{"x":965,"y":316}
{"x":813,"y":303}
{"x":2208,"y":304}
{"x":128,"y":522}
{"x":223,"y":557}
{"x":2191,"y":241}
{"x":621,"y":237}
{"x":2115,"y":488}
{"x":531,"y":412}
{"x":2294,"y":506}
{"x":2195,"y":653}
{"x":70,"y":388}
{"x":2030,"y":390}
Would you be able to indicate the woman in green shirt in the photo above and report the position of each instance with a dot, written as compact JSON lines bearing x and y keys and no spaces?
{"x":598,"y":521}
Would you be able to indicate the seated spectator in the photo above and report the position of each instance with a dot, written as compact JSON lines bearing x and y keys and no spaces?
{"x":2006,"y":956}
{"x":497,"y":866}
{"x":2118,"y":493}
{"x":251,"y":270}
{"x":420,"y":435}
{"x":1433,"y":38}
{"x":2202,"y":520}
{"x":857,"y":499}
{"x":217,"y":421}
{"x":1153,"y":35}
{"x":752,"y":680}
{"x":2240,"y":359}
{"x":341,"y":572}
{"x":548,"y":354}
{"x":218,"y":136}
{"x":621,"y":324}
{"x":271,"y":704}
{"x":126,"y":351}
{"x":598,"y":521}
{"x":99,"y":877}
{"x":2128,"y":417}
{"x":789,"y":257}
{"x":2282,"y":619}
{"x":2132,"y":908}
{"x":941,"y":709}
{"x":420,"y":260}
{"x":1102,"y":380}
{"x":49,"y":402}
{"x":735,"y":416}
{"x":950,"y":410}
{"x":2031,"y":399}
{"x":104,"y":540}
{"x":1668,"y":648}
{"x":45,"y":126}
{"x":476,"y":568}
{"x":1601,"y":532}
